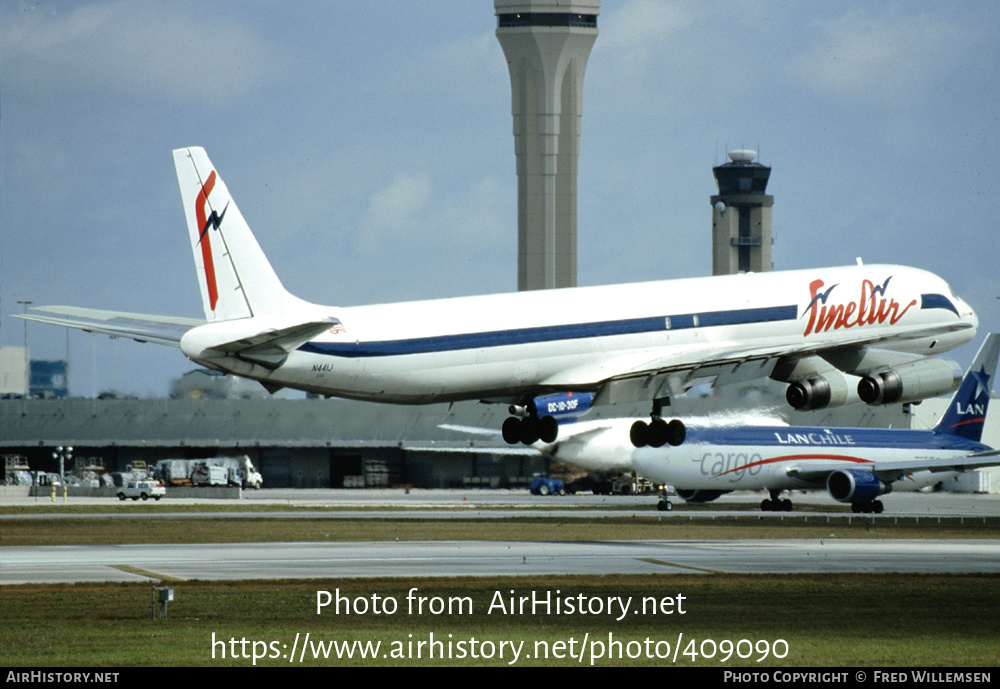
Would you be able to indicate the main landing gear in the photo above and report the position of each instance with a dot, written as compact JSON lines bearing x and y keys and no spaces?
{"x":657,"y":432}
{"x":664,"y":504}
{"x":871,"y":507}
{"x":774,"y":504}
{"x":530,"y":429}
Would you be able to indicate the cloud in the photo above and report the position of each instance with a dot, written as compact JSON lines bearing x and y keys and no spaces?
{"x":396,"y":210}
{"x":887,"y":59}
{"x":638,"y":27}
{"x":139,"y":48}
{"x":474,"y":215}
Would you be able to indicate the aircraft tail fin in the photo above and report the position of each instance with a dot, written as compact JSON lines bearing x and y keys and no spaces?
{"x":236,"y":279}
{"x":966,"y":412}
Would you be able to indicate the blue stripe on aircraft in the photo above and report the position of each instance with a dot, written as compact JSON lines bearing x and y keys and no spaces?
{"x":833,"y":439}
{"x":552,"y":333}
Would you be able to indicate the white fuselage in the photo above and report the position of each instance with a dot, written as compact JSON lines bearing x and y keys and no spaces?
{"x":501,"y":345}
{"x":720,"y":459}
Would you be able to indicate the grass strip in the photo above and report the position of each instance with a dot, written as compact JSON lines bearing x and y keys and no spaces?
{"x":70,"y":531}
{"x":826,"y":620}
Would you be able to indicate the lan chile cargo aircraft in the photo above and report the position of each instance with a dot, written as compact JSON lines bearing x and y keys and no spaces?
{"x":854,"y":465}
{"x":622,"y":343}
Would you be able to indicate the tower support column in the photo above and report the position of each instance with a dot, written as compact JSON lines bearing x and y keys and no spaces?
{"x":546,"y":43}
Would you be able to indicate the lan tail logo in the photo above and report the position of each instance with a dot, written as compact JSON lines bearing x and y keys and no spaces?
{"x":205,"y":239}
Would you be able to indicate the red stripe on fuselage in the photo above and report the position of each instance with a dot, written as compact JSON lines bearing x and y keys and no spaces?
{"x":789,"y":458}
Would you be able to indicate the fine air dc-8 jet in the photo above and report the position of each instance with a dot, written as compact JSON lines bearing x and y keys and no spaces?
{"x":622,"y":343}
{"x":854,"y":465}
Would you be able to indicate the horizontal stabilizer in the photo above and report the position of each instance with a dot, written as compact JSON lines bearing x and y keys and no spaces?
{"x":271,"y":347}
{"x":165,"y":330}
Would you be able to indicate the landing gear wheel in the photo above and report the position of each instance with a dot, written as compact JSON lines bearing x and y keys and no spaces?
{"x":676,"y":432}
{"x":658,"y":431}
{"x":664,"y":506}
{"x":639,"y":435}
{"x":548,"y":429}
{"x":776,"y":504}
{"x":529,"y":431}
{"x":511,"y":430}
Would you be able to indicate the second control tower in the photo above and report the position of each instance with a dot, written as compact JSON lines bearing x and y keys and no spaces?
{"x":741,"y":216}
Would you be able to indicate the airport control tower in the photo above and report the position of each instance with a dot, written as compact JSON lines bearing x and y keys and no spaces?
{"x":741,"y":216}
{"x":546,"y":43}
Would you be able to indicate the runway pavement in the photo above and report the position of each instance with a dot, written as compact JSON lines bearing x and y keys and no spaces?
{"x":441,"y":503}
{"x":66,"y":564}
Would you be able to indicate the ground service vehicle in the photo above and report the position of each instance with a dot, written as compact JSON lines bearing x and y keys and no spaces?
{"x":142,"y":489}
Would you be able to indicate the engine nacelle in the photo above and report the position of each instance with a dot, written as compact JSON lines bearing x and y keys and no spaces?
{"x":818,"y":392}
{"x":561,"y":405}
{"x":699,"y":496}
{"x":853,"y":485}
{"x":910,"y":382}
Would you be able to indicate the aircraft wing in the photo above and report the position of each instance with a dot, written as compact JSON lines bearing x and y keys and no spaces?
{"x":165,"y":330}
{"x":817,"y":472}
{"x":634,"y":379}
{"x":892,"y":470}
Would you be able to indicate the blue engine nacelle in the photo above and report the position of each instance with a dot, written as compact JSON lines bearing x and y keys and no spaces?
{"x":699,"y":496}
{"x":561,"y":405}
{"x":852,"y":485}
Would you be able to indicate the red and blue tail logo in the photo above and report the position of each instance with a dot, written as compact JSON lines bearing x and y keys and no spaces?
{"x":966,"y":413}
{"x":206,"y":221}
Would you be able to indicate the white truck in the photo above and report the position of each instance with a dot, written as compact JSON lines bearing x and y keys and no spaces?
{"x":208,"y":475}
{"x":239,"y":471}
{"x":142,"y":489}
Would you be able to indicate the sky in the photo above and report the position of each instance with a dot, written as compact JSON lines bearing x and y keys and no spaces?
{"x":370,"y":147}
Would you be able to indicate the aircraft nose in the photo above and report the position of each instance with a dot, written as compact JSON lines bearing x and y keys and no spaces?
{"x":967,"y":313}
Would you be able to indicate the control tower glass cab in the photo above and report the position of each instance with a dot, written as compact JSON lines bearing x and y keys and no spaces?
{"x":741,"y":216}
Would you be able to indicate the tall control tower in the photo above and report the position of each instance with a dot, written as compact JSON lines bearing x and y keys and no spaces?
{"x":741,"y":216}
{"x":546,"y":43}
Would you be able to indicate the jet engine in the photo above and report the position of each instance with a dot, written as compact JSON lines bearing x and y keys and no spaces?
{"x":699,"y":496}
{"x":854,"y":486}
{"x":818,"y":392}
{"x":910,"y":382}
